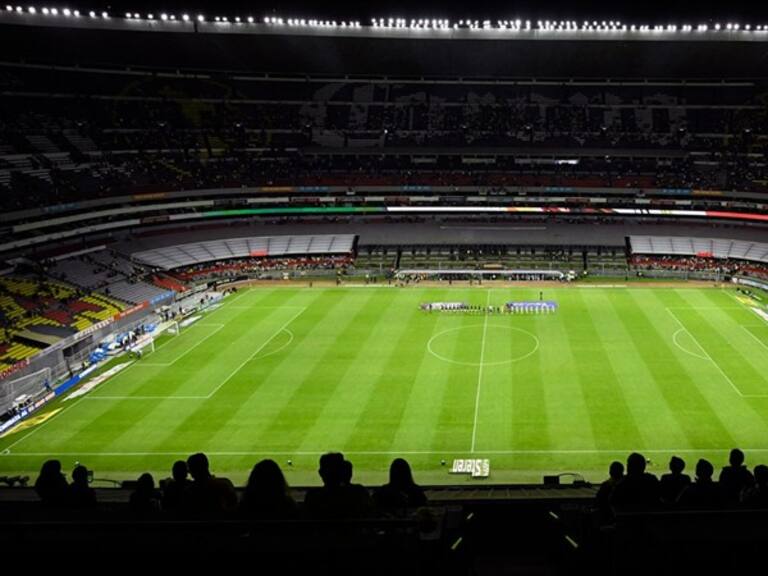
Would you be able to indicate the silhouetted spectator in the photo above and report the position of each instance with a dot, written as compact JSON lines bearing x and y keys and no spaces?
{"x":756,"y":496}
{"x":604,"y":493}
{"x":335,"y":499}
{"x":672,"y":484}
{"x":638,"y":490}
{"x":207,"y":495}
{"x":51,"y":485}
{"x":266,"y":495}
{"x":174,"y":489}
{"x":145,"y":500}
{"x":401,"y":492}
{"x":735,"y":478}
{"x":703,"y":494}
{"x":359,"y":497}
{"x":81,"y":495}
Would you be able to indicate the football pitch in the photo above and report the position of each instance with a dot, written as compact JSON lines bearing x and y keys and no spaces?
{"x":289,"y":373}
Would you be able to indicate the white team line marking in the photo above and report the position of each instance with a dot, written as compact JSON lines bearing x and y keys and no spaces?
{"x":480,"y":371}
{"x":712,"y":360}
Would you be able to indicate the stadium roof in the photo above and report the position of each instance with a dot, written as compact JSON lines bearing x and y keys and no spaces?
{"x":385,"y":27}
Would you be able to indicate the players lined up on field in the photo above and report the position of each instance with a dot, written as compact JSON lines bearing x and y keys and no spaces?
{"x":465,"y":309}
{"x":485,"y":310}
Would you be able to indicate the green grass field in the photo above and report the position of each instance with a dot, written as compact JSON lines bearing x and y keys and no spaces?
{"x":290,"y":373}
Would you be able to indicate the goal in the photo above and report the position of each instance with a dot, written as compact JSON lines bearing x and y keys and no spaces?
{"x":173,"y":329}
{"x":142,"y":347}
{"x":16,"y":391}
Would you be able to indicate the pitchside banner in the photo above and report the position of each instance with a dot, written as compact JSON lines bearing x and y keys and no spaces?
{"x":475,"y":467}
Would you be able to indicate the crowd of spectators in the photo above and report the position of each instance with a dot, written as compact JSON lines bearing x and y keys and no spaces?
{"x":154,"y":143}
{"x":113,"y":174}
{"x":637,"y":490}
{"x":193,"y":492}
{"x":237,"y":267}
{"x":699,"y":264}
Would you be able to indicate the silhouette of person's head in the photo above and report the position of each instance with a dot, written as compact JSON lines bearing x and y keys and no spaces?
{"x":635,"y":464}
{"x":400,"y":473}
{"x":51,"y":484}
{"x":761,"y":475}
{"x":332,"y":468}
{"x":704,"y":470}
{"x":616,"y":470}
{"x":198,"y":466}
{"x":266,"y":478}
{"x":80,"y":476}
{"x":145,"y":483}
{"x":179,"y":471}
{"x":50,"y":470}
{"x":347,"y":471}
{"x":736,"y":458}
{"x":676,"y":465}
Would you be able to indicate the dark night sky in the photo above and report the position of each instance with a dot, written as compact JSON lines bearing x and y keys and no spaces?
{"x":650,"y":12}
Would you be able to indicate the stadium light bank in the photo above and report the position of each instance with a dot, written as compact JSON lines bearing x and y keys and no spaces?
{"x":435,"y":25}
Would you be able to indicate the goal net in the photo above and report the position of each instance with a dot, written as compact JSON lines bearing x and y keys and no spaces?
{"x":173,"y":329}
{"x":142,"y":347}
{"x":16,"y":391}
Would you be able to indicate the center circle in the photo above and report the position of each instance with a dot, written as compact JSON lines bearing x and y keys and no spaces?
{"x":503,"y":345}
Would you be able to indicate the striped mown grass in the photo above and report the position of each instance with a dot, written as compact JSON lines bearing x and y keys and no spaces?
{"x":289,"y":373}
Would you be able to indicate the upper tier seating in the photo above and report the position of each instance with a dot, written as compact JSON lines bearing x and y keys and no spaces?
{"x":194,"y":253}
{"x":706,"y":247}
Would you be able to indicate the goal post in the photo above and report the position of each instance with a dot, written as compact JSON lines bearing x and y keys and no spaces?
{"x":142,"y":347}
{"x":173,"y":328}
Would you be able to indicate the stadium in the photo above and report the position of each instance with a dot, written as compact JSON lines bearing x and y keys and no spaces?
{"x":509,"y":252}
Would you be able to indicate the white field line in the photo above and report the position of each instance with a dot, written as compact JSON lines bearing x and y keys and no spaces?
{"x":207,"y":396}
{"x":674,"y":339}
{"x":260,"y":306}
{"x":104,"y":397}
{"x":712,"y":360}
{"x":391,"y":452}
{"x":480,"y":371}
{"x":172,"y":362}
{"x":283,"y":347}
{"x":256,"y":352}
{"x":748,"y":331}
{"x":706,"y":307}
{"x":51,"y":419}
{"x":145,"y":397}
